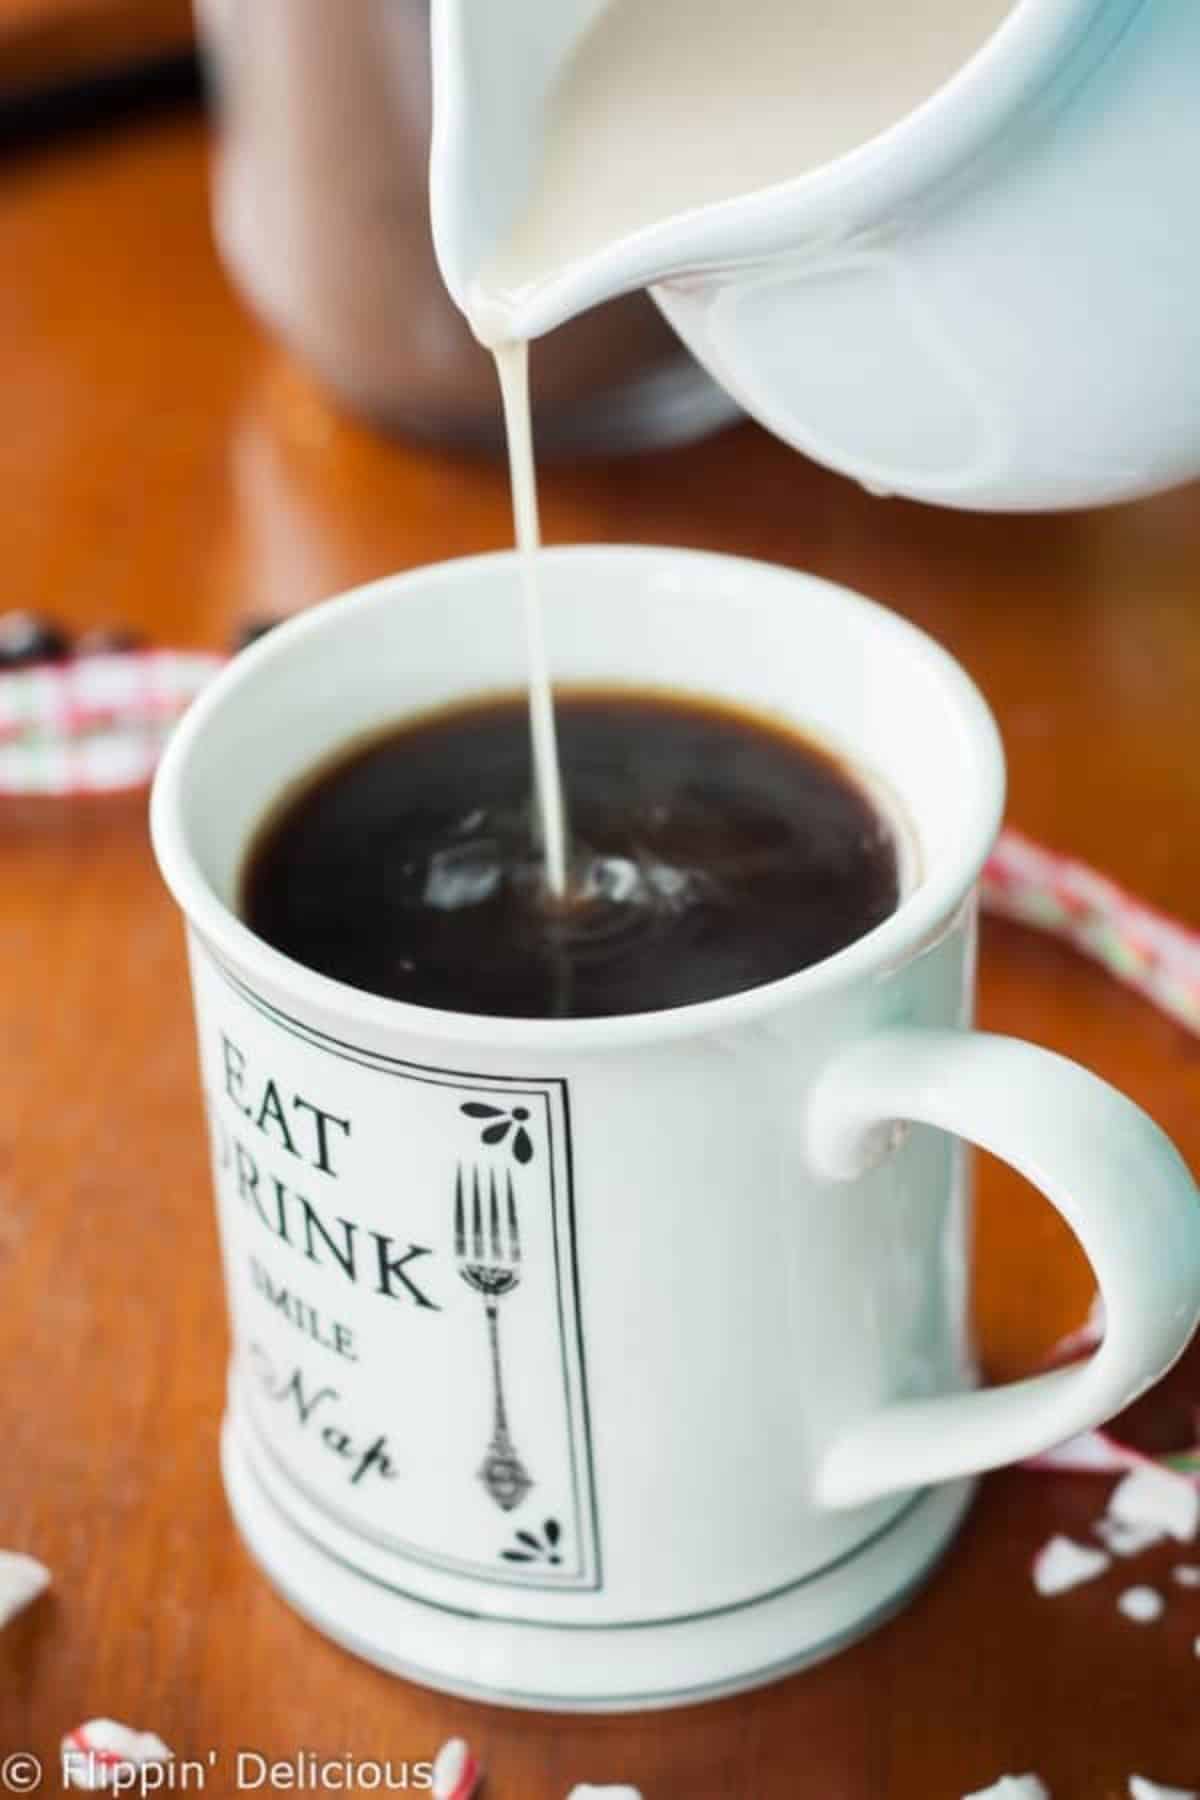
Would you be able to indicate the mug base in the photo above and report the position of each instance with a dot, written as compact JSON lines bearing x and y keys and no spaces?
{"x":602,"y":1669}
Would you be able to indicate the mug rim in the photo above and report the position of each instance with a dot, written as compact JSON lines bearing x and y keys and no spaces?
{"x":916,"y":921}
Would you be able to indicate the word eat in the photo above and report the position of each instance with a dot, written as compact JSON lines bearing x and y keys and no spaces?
{"x":302,"y":1128}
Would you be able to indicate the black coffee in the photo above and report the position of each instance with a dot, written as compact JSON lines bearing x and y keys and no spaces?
{"x":712,"y":851}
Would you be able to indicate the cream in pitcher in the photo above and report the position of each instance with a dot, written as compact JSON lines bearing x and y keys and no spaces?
{"x":908,"y":254}
{"x":666,"y":106}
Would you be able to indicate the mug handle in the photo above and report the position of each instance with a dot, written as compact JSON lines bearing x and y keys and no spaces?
{"x":1117,"y":1180}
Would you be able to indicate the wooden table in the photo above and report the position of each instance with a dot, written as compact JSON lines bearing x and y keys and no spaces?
{"x":162,"y":465}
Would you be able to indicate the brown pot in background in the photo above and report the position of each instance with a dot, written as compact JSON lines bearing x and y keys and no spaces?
{"x":322,"y":215}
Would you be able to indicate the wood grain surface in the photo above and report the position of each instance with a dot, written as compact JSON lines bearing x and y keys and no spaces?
{"x":163,"y":466}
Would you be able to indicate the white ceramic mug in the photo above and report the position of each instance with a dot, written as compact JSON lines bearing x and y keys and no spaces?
{"x":611,"y":1363}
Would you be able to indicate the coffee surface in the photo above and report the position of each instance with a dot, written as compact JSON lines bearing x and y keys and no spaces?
{"x":711,"y":852}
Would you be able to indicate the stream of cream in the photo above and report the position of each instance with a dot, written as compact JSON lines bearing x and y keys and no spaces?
{"x":664,"y":106}
{"x":512,"y":366}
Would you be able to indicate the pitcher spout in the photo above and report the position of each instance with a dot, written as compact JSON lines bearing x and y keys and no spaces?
{"x":495,"y":69}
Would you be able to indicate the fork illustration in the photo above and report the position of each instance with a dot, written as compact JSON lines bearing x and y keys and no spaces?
{"x":490,"y":1264}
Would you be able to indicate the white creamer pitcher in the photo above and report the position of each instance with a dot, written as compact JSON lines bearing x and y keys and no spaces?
{"x":994,"y":303}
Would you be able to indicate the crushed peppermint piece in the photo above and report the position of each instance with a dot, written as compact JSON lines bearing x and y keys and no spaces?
{"x":103,"y":1753}
{"x":1013,"y":1787}
{"x":22,"y":1579}
{"x":1141,"y":1789}
{"x":1061,"y":1563}
{"x":1186,"y":1574}
{"x":456,"y":1771}
{"x":1151,"y":1495}
{"x":586,"y":1791}
{"x":1141,"y":1604}
{"x":1124,"y":1538}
